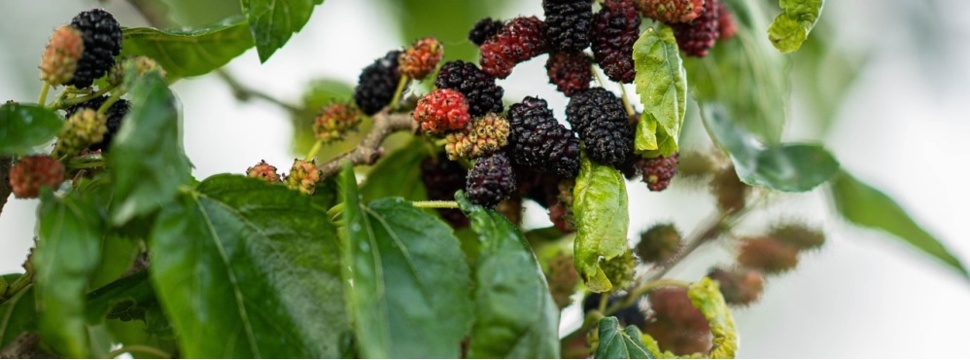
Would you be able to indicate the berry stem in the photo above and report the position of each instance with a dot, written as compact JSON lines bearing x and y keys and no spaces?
{"x":435,"y":204}
{"x":314,"y":150}
{"x":599,"y":78}
{"x":642,"y":290}
{"x":17,"y":286}
{"x":400,"y":90}
{"x":626,"y":101}
{"x":61,"y":103}
{"x":111,"y":101}
{"x":43,"y":93}
{"x":604,"y":300}
{"x":144,"y":349}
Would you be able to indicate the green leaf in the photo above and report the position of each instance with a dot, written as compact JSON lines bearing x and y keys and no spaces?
{"x":272,"y":22}
{"x":406,"y":281}
{"x":866,"y":206}
{"x":792,"y":26}
{"x":23,"y":126}
{"x":662,"y":84}
{"x":746,"y":75}
{"x":399,"y":174}
{"x":147,"y":164}
{"x":249,"y":269}
{"x":189,"y":52}
{"x":619,"y":343}
{"x":602,"y":219}
{"x":783,"y":167}
{"x":68,"y":251}
{"x":515,"y":316}
{"x":18,"y":314}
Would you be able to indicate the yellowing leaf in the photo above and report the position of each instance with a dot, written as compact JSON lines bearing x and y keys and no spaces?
{"x":600,"y":210}
{"x":661,"y":83}
{"x":792,"y":26}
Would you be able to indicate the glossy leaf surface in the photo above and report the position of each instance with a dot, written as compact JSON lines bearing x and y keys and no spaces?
{"x":273,"y":22}
{"x":662,"y":84}
{"x":252,"y":264}
{"x":23,"y":126}
{"x":146,"y":163}
{"x":410,"y":293}
{"x":515,"y":316}
{"x":190,"y":52}
{"x":619,"y":343}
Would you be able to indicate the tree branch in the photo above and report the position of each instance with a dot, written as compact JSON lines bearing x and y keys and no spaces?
{"x":370,"y":150}
{"x":245,"y":93}
{"x":23,"y":347}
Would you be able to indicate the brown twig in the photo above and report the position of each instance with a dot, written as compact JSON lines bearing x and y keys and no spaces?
{"x":245,"y":93}
{"x":370,"y":150}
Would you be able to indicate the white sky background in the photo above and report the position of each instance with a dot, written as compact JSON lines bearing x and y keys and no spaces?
{"x":903,"y":129}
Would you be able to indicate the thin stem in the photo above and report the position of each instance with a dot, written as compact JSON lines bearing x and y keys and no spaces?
{"x":400,"y":90}
{"x":144,"y":349}
{"x":599,"y":78}
{"x":604,"y":300}
{"x":59,"y":103}
{"x":314,"y":150}
{"x":15,"y":287}
{"x":642,"y":290}
{"x":111,"y":101}
{"x":245,"y":93}
{"x":435,"y":204}
{"x":626,"y":101}
{"x":43,"y":93}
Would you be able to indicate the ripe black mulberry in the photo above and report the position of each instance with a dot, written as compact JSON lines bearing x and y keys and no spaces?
{"x":484,"y":29}
{"x":479,"y":88}
{"x":568,"y":23}
{"x":616,"y":28}
{"x":115,"y":115}
{"x":538,"y":141}
{"x":442,"y":178}
{"x":102,"y":43}
{"x":603,"y":126}
{"x":697,"y":37}
{"x":569,"y":71}
{"x":377,"y":83}
{"x":491,"y":180}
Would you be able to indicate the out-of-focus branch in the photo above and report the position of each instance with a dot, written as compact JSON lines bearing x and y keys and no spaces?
{"x":245,"y":93}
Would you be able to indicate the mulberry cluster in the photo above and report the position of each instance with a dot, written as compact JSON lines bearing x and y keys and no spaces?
{"x":671,"y":11}
{"x":82,"y":129}
{"x":114,"y":117}
{"x":739,"y":286}
{"x":334,"y":121}
{"x":521,"y":39}
{"x":377,"y":83}
{"x":616,"y":27}
{"x":442,"y":178}
{"x":676,"y":324}
{"x":569,"y":71}
{"x":658,"y":171}
{"x":31,"y":173}
{"x":102,"y":43}
{"x":540,"y":142}
{"x":264,"y":171}
{"x":568,"y":24}
{"x":442,"y":110}
{"x":421,"y":58}
{"x":483,"y":30}
{"x":483,"y":135}
{"x":303,"y":176}
{"x":61,"y":56}
{"x":479,"y":88}
{"x":562,"y":278}
{"x":697,"y":37}
{"x":491,"y":180}
{"x":659,"y":243}
{"x":601,"y":121}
